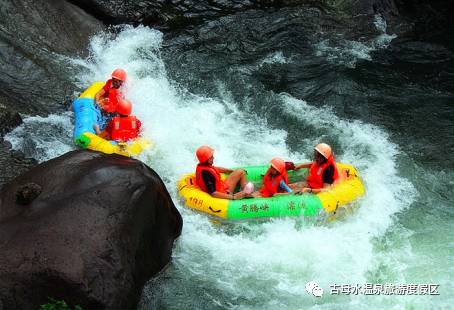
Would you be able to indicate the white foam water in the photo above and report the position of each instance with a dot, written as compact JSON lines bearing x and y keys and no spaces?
{"x":253,"y":265}
{"x":275,"y":58}
{"x":43,"y":138}
{"x":348,"y":52}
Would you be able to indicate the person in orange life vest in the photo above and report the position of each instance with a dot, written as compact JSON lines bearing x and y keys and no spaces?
{"x":123,"y":127}
{"x":275,"y":181}
{"x":208,"y":177}
{"x":107,"y":97}
{"x":322,"y":171}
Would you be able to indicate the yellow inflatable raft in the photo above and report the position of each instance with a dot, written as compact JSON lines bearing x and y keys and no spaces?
{"x":328,"y":204}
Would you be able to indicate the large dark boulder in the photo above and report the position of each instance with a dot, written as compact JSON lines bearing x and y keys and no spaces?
{"x":85,"y":227}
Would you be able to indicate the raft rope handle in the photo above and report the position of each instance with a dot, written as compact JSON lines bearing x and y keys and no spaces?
{"x":337,"y":207}
{"x":212,"y":210}
{"x":347,"y":171}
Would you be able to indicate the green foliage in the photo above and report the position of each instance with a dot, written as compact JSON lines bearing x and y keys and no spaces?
{"x":54,"y":304}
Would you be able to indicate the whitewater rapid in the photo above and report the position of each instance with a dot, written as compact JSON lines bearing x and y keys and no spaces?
{"x":249,"y":265}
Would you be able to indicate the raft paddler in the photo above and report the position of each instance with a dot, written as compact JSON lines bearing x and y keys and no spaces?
{"x":107,"y":98}
{"x":208,"y":177}
{"x":123,"y":127}
{"x":323,"y":172}
{"x":275,"y":180}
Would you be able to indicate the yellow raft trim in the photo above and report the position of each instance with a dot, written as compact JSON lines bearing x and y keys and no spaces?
{"x":197,"y":199}
{"x":344,"y":192}
{"x":126,"y":149}
{"x":91,"y":91}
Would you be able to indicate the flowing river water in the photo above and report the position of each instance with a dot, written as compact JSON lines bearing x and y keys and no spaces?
{"x":383,"y":111}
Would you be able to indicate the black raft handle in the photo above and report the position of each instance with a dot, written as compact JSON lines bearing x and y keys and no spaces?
{"x":212,"y":210}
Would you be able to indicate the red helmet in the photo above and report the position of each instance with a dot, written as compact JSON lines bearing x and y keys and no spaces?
{"x":278,"y":164}
{"x":119,"y":74}
{"x":124,"y":107}
{"x":204,"y":153}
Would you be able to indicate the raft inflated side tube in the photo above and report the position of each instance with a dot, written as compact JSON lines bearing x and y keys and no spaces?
{"x":308,"y":205}
{"x":87,"y":114}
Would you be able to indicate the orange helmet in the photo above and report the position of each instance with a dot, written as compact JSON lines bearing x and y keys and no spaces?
{"x":324,"y":149}
{"x":278,"y":164}
{"x":204,"y":153}
{"x":119,"y":74}
{"x":124,"y":107}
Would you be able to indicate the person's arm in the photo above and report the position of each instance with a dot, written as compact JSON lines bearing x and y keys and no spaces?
{"x":284,"y":187}
{"x":96,"y":128}
{"x":328,"y":180}
{"x":223,"y":170}
{"x":280,"y":194}
{"x":256,"y":194}
{"x":235,"y":196}
{"x":305,"y":165}
{"x":326,"y":187}
{"x":99,"y":96}
{"x":210,"y":183}
{"x":289,"y":165}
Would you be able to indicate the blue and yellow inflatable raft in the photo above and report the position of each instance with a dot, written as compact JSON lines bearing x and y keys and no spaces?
{"x":87,"y":114}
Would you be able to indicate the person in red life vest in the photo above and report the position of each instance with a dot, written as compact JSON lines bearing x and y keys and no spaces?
{"x":107,"y":97}
{"x":124,"y":127}
{"x":208,"y":177}
{"x":275,"y":181}
{"x":323,"y":171}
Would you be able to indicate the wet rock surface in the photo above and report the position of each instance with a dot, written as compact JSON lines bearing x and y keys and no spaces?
{"x":428,"y":16}
{"x":36,"y":81}
{"x":87,"y":228}
{"x":238,"y":45}
{"x":171,"y":14}
{"x":12,"y":163}
{"x":416,"y":18}
{"x":8,"y":119}
{"x":35,"y":36}
{"x":177,"y":14}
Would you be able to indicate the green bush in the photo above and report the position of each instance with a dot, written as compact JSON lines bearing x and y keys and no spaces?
{"x":54,"y":304}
